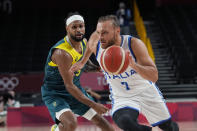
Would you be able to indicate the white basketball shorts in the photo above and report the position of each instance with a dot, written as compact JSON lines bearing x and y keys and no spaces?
{"x":150,"y":103}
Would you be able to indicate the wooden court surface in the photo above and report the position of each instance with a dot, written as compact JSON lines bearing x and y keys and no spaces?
{"x":184,"y":126}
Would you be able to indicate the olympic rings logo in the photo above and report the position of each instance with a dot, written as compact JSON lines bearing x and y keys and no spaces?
{"x":8,"y":83}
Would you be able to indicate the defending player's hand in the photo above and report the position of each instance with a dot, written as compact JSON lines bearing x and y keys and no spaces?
{"x":100,"y":109}
{"x":77,"y":66}
{"x":93,"y":41}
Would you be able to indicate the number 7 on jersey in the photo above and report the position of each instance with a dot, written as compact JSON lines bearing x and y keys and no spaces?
{"x":125,"y":84}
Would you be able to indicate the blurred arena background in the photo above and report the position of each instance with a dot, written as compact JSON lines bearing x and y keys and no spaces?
{"x":28,"y":28}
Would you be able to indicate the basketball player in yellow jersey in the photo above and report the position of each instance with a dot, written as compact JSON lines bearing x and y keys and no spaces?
{"x":133,"y":91}
{"x":63,"y":94}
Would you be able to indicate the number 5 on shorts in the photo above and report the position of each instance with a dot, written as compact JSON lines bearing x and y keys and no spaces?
{"x":125,"y":85}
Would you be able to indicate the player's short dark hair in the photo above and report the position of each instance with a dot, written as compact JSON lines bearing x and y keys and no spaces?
{"x":71,"y":14}
{"x":112,"y":18}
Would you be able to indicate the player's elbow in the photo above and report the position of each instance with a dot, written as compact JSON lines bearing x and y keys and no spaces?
{"x":155,"y":79}
{"x":155,"y":76}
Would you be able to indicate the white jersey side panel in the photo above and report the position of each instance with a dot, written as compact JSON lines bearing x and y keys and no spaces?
{"x":128,"y":83}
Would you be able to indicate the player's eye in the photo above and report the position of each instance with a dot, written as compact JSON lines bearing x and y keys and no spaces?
{"x":104,"y":33}
{"x":74,"y":27}
{"x":81,"y":26}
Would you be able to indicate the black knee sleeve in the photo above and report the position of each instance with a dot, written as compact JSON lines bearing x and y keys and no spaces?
{"x":126,"y":119}
{"x":169,"y":126}
{"x":125,"y":122}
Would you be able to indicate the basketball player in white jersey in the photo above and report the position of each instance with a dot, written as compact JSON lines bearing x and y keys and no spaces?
{"x":133,"y":91}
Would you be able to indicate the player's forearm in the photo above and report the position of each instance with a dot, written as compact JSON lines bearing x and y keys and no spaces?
{"x":75,"y":92}
{"x":86,"y":56}
{"x":91,"y":46}
{"x":147,"y":72}
{"x":97,"y":96}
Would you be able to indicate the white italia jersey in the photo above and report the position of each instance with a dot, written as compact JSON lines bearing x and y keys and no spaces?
{"x":128,"y":83}
{"x":130,"y":90}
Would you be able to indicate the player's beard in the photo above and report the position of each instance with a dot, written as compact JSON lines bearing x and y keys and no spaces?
{"x":112,"y":41}
{"x":76,"y":39}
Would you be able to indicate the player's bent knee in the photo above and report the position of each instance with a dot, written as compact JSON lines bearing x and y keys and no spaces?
{"x":125,"y":122}
{"x":68,"y":121}
{"x":126,"y":118}
{"x":72,"y":125}
{"x":69,"y":124}
{"x":169,"y":126}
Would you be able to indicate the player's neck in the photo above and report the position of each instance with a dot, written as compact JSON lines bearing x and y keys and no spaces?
{"x":73,"y":43}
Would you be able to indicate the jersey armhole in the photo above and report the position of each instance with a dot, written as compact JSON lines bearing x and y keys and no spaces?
{"x":97,"y":50}
{"x":51,"y":63}
{"x":130,"y":48}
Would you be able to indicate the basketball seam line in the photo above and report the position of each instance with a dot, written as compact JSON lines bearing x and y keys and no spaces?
{"x":105,"y":68}
{"x":122,"y":63}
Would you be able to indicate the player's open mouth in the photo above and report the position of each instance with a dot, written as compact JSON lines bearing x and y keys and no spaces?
{"x":79,"y":36}
{"x":103,"y":42}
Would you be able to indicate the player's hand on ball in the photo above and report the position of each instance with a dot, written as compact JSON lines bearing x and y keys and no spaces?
{"x":131,"y":60}
{"x":100,"y":109}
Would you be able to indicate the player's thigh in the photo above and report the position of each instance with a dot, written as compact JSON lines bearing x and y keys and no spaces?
{"x":68,"y":119}
{"x":153,"y":106}
{"x":132,"y":103}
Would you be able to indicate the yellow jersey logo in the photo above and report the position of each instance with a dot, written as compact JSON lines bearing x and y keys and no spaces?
{"x":54,"y":104}
{"x":77,"y":73}
{"x":76,"y":58}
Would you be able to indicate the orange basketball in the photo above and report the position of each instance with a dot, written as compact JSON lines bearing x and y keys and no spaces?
{"x":114,"y":60}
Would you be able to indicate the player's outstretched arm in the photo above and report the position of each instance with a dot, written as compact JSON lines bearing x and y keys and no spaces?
{"x":64,"y":62}
{"x":144,"y":65}
{"x":91,"y":47}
